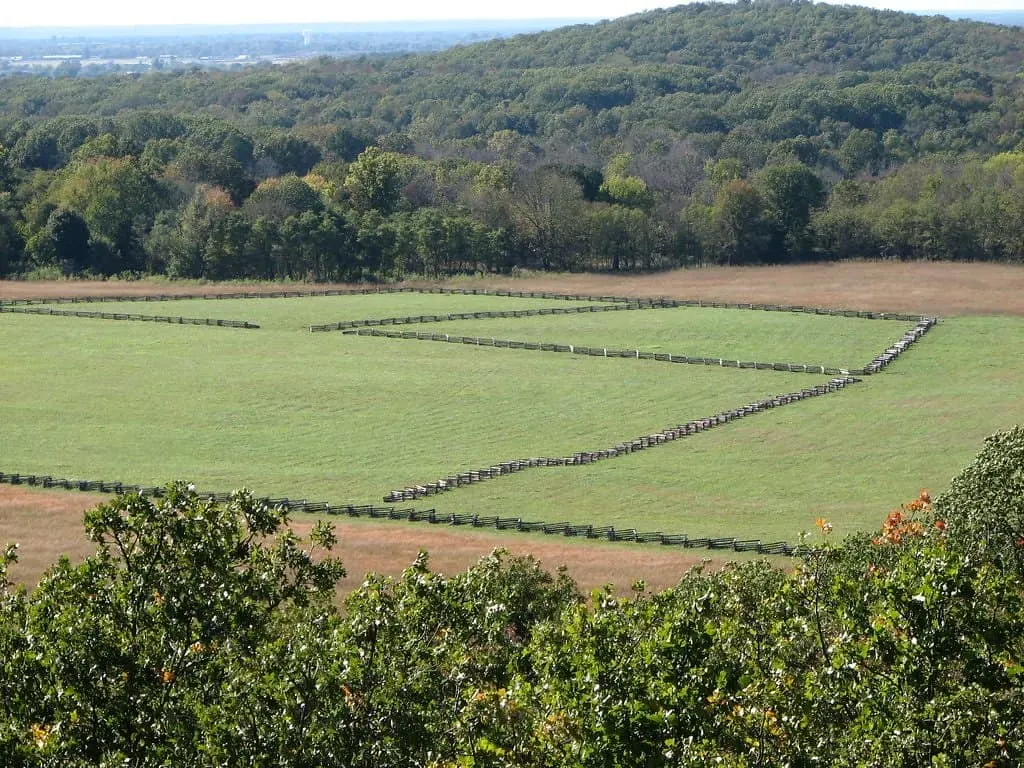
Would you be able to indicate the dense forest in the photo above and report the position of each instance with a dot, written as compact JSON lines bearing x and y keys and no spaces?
{"x":760,"y":132}
{"x":203,"y":634}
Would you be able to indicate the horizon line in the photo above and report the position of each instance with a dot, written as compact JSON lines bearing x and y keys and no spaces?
{"x":377,"y":22}
{"x":965,"y":11}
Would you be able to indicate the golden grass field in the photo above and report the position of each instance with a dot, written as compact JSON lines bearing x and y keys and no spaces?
{"x":921,"y":287}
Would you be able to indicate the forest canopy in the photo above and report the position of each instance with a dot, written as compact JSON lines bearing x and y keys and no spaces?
{"x":760,"y":132}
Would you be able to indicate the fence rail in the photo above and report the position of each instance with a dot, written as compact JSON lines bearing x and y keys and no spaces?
{"x":415,"y":319}
{"x":607,"y":533}
{"x":313,"y":293}
{"x":660,"y":301}
{"x":22,"y":310}
{"x":643,"y":442}
{"x":908,"y":339}
{"x":633,"y":354}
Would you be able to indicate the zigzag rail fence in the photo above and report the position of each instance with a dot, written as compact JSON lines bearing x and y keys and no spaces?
{"x":621,"y":449}
{"x":312,"y":293}
{"x":578,"y":349}
{"x":366,"y":328}
{"x":661,"y":301}
{"x":911,"y":337}
{"x":609,"y":304}
{"x":606,"y":532}
{"x":415,"y":319}
{"x":21,"y":310}
{"x":923,"y":325}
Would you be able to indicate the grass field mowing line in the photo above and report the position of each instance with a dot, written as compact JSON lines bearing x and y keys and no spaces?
{"x":300,"y":312}
{"x":735,"y":334}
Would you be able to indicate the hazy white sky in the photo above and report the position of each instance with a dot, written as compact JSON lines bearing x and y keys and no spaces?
{"x":20,"y":13}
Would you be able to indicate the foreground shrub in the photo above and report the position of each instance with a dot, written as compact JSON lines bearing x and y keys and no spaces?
{"x":984,"y":505}
{"x":123,"y":658}
{"x":204,"y":634}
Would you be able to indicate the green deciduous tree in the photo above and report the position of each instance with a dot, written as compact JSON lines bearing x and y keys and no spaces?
{"x":373,"y":180}
{"x":207,"y":634}
{"x":290,"y":154}
{"x":64,"y":243}
{"x":861,"y":151}
{"x":117,"y":199}
{"x":738,"y":215}
{"x":791,"y":193}
{"x":133,"y":652}
{"x":984,"y":505}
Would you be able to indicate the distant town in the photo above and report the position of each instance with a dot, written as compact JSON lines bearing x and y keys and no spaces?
{"x":100,"y":50}
{"x":86,"y":51}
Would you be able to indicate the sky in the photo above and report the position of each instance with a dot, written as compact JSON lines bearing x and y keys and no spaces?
{"x":75,"y":13}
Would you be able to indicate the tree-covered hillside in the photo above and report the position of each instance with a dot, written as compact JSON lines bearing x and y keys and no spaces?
{"x":709,"y":133}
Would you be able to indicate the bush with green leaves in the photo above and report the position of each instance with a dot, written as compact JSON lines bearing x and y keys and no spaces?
{"x":126,"y":657}
{"x":205,"y":634}
{"x":984,"y":505}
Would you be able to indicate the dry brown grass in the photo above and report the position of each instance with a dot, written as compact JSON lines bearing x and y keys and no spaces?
{"x":926,"y":287}
{"x":45,"y":525}
{"x":921,"y":287}
{"x":48,"y":524}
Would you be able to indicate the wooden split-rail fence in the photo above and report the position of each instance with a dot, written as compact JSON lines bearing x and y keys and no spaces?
{"x":641,"y":443}
{"x":657,"y":301}
{"x":371,"y":328}
{"x":537,"y":312}
{"x":603,"y":532}
{"x":23,"y":310}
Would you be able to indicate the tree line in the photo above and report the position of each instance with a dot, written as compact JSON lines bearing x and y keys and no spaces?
{"x":761,"y":132}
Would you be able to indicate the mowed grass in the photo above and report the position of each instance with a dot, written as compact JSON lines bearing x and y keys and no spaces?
{"x":322,"y":416}
{"x":298,"y":313}
{"x":735,"y":334}
{"x":346,"y":419}
{"x":849,"y":457}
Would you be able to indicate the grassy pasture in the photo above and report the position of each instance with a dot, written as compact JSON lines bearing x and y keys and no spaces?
{"x":346,"y":419}
{"x":323,"y":416}
{"x":296,"y":314}
{"x":849,"y":457}
{"x":840,"y":342}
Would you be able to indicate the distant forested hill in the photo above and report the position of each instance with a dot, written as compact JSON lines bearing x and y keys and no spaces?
{"x":747,"y":133}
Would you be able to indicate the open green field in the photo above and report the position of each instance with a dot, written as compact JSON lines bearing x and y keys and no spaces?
{"x":839,"y":342}
{"x":849,"y":457}
{"x":300,"y":312}
{"x":288,"y":412}
{"x":346,"y":419}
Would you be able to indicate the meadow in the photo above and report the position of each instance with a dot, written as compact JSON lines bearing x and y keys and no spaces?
{"x":346,"y":419}
{"x":330,"y":416}
{"x":704,"y":332}
{"x":848,"y":457}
